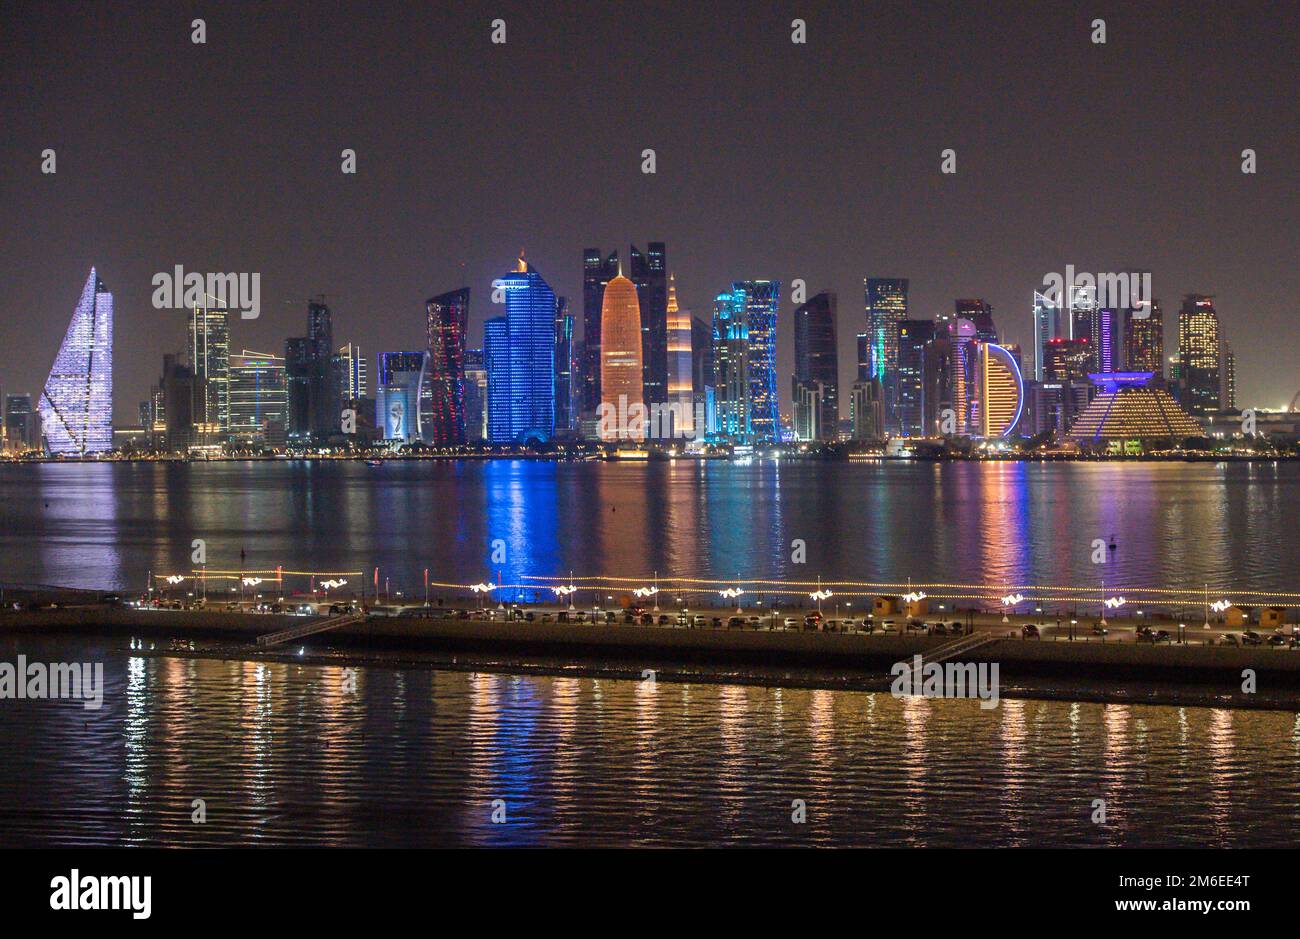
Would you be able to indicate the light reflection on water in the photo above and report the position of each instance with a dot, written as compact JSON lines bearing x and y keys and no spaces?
{"x":1174,"y":524}
{"x":282,"y":755}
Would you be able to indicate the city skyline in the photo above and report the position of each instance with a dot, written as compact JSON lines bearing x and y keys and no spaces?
{"x":992,"y":230}
{"x":920,"y":367}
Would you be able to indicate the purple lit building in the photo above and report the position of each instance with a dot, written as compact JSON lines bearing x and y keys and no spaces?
{"x":77,"y":402}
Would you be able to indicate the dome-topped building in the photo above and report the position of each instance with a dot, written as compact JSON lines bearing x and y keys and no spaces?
{"x":621,"y":380}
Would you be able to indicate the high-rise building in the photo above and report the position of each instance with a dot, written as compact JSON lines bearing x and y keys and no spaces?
{"x":565,"y":355}
{"x":258,"y":399}
{"x":442,"y":397}
{"x":980,"y":314}
{"x":649,"y":272}
{"x":76,"y":405}
{"x":1082,"y":303}
{"x":1144,"y":339}
{"x":178,"y":385}
{"x":210,"y":360}
{"x":530,"y":322}
{"x":323,"y":399}
{"x":597,"y":271}
{"x":476,"y":396}
{"x":886,"y":307}
{"x":1065,"y":389}
{"x":348,"y":392}
{"x":963,"y":343}
{"x":867,"y":410}
{"x":1199,"y":354}
{"x":297,"y":379}
{"x":353,"y":372}
{"x":702,"y":374}
{"x":621,"y":369}
{"x":397,"y":398}
{"x":1048,"y":326}
{"x":808,"y":412}
{"x":1001,"y":391}
{"x":761,"y":299}
{"x":913,"y":338}
{"x":816,"y":363}
{"x":681,"y":367}
{"x":1107,"y":339}
{"x":1228,"y":393}
{"x":731,"y":351}
{"x":496,"y":362}
{"x":21,"y":424}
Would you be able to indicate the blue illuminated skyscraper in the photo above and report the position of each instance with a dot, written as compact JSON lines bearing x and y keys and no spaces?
{"x":731,"y":366}
{"x":761,"y":299}
{"x":496,"y":362}
{"x":77,"y":402}
{"x":530,"y":324}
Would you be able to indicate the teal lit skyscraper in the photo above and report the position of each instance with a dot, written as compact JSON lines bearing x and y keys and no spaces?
{"x":731,"y":366}
{"x":886,"y":307}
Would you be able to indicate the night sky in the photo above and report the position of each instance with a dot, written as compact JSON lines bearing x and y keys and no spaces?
{"x":817,"y":161}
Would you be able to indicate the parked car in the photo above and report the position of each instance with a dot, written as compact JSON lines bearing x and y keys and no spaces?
{"x":1144,"y":634}
{"x":1229,"y":639}
{"x":663,"y":619}
{"x":1099,"y":630}
{"x":1030,"y":631}
{"x":1278,"y":639}
{"x":939,"y":629}
{"x":916,"y":625}
{"x":1162,"y":635}
{"x":1251,"y":638}
{"x":791,"y":623}
{"x":736,"y":621}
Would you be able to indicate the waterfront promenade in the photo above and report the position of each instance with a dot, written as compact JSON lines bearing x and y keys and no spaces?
{"x":785,"y":646}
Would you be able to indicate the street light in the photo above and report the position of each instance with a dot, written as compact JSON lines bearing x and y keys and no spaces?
{"x":732,"y":593}
{"x":480,"y":589}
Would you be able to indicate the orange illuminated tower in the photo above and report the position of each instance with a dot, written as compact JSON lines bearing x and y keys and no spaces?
{"x":681,"y":387}
{"x":621,"y":387}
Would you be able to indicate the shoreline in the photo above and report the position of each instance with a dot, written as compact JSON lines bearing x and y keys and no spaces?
{"x":1120,"y":672}
{"x":586,"y":456}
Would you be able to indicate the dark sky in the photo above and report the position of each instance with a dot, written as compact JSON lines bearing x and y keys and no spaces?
{"x":817,"y":161}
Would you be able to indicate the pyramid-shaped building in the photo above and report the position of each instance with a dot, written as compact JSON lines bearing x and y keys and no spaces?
{"x":77,"y":401}
{"x":1128,"y":407}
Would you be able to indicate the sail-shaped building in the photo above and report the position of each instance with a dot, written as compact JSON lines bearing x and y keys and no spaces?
{"x":77,"y":402}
